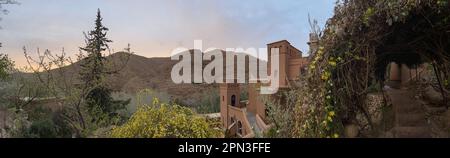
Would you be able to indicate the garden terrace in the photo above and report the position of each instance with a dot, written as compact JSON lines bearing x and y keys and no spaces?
{"x":362,"y":39}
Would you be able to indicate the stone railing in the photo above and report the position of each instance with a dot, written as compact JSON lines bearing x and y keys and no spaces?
{"x":241,"y":114}
{"x":261,"y":124}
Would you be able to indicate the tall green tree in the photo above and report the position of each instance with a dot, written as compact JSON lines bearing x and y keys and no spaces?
{"x":93,"y":72}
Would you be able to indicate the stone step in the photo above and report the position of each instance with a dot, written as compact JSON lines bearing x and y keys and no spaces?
{"x":394,"y":84}
{"x":388,"y":134}
{"x":411,"y":120}
{"x":408,"y":109}
{"x":435,"y":110}
{"x":412,"y":132}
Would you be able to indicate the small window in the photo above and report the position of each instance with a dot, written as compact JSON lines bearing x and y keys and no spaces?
{"x":233,"y":100}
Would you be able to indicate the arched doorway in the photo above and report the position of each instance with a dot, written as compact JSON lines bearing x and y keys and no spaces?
{"x":233,"y":100}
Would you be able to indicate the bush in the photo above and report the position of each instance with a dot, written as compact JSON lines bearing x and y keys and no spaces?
{"x":43,"y":129}
{"x":210,"y":103}
{"x":6,"y":66}
{"x":165,"y":121}
{"x":280,"y":113}
{"x":374,"y":87}
{"x":38,"y":122}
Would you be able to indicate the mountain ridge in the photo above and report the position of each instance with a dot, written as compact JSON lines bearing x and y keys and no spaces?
{"x":146,"y":73}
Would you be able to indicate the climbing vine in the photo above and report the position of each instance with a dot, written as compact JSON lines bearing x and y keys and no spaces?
{"x":356,"y":47}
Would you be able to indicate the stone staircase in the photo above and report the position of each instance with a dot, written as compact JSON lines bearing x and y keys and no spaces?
{"x":252,"y":120}
{"x":410,"y":118}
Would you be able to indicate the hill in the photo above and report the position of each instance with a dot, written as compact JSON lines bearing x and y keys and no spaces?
{"x":146,"y":73}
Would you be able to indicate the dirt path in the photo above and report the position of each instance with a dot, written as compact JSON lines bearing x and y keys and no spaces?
{"x":410,"y":117}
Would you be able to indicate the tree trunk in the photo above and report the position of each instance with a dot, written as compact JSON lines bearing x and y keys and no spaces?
{"x":438,"y":76}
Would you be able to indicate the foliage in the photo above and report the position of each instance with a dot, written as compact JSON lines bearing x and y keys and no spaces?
{"x":165,"y":121}
{"x":103,"y":105}
{"x":93,"y":72}
{"x":6,"y":67}
{"x":46,"y":123}
{"x":38,"y":122}
{"x":209,"y":103}
{"x":18,"y":128}
{"x":63,"y":129}
{"x":93,"y":65}
{"x":86,"y":101}
{"x":374,"y":87}
{"x":209,"y":100}
{"x":356,"y":47}
{"x":314,"y":113}
{"x":43,"y":129}
{"x":281,"y":114}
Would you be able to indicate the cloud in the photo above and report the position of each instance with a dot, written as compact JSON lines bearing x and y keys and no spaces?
{"x":156,"y":27}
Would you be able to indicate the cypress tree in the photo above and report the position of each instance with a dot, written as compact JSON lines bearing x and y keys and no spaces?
{"x":93,"y":73}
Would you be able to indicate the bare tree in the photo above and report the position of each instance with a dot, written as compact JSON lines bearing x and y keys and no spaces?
{"x":62,"y":84}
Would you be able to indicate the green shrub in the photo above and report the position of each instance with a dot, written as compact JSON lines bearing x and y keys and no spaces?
{"x":165,"y":121}
{"x":43,"y":129}
{"x":374,"y":87}
{"x":210,"y":103}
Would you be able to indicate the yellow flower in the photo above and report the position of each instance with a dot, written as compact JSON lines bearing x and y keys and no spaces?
{"x":332,"y":63}
{"x":331,"y":113}
{"x":155,"y":101}
{"x":336,"y":136}
{"x":326,"y":75}
{"x":330,"y":119}
{"x":321,"y":48}
{"x":317,"y":58}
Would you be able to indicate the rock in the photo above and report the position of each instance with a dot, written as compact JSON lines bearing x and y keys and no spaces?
{"x":375,"y":103}
{"x":433,"y":96}
{"x":351,"y":131}
{"x":435,"y":110}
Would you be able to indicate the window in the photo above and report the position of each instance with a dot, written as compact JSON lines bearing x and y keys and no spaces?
{"x":223,"y":98}
{"x":233,"y":100}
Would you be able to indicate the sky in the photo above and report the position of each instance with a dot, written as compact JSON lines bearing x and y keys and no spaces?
{"x":154,"y":28}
